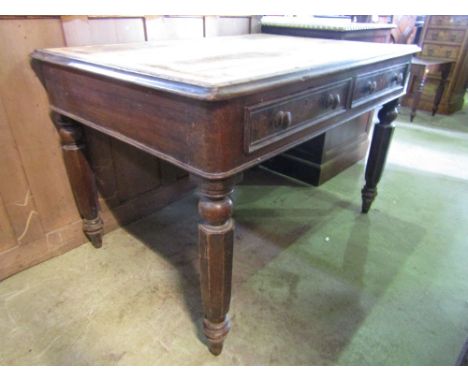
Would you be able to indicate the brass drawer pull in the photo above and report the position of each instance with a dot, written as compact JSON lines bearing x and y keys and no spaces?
{"x":371,"y":86}
{"x":283,"y":119}
{"x":331,"y":101}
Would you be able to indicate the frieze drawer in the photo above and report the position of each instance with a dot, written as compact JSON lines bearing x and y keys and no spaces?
{"x":269,"y":122}
{"x":376,"y":84}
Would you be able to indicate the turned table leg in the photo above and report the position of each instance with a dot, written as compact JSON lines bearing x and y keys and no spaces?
{"x":381,"y":138}
{"x":80,"y":175}
{"x":215,"y":248}
{"x":421,"y":81}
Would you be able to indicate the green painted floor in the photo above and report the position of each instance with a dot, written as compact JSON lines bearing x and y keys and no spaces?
{"x":315,"y":282}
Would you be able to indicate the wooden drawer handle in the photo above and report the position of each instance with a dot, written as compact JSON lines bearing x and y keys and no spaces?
{"x":398,"y":78}
{"x":331,"y":101}
{"x":283,"y":119}
{"x":371,"y":86}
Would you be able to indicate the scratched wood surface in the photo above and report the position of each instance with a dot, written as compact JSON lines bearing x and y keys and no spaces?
{"x":38,"y":217}
{"x":228,"y":60}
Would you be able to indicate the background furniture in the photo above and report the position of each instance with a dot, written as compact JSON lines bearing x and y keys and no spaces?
{"x":322,"y":158}
{"x":336,"y":29}
{"x":444,"y":37}
{"x":420,"y":67}
{"x":216,"y":107}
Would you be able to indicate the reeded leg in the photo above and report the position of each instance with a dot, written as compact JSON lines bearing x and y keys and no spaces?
{"x":381,"y":138}
{"x":215,"y":248}
{"x":440,"y":89}
{"x":80,"y":175}
{"x":417,"y":93}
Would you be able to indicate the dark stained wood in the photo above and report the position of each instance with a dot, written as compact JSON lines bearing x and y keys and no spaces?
{"x":381,"y":35}
{"x":205,"y":133}
{"x":381,"y":138}
{"x":271,"y":121}
{"x":317,"y":167}
{"x":122,"y":172}
{"x":216,"y":232}
{"x":115,"y":107}
{"x":379,"y":82}
{"x":136,"y":171}
{"x":81,"y":176}
{"x":210,"y":71}
{"x":317,"y":160}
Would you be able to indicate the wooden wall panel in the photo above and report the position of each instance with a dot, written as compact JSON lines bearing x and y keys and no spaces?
{"x":113,"y":30}
{"x":167,"y":27}
{"x":7,"y":235}
{"x":226,"y":26}
{"x":255,"y":24}
{"x":18,"y":201}
{"x":26,"y":108}
{"x":81,"y":30}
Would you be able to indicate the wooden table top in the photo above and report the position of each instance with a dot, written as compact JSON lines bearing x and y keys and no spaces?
{"x":222,"y":67}
{"x":426,"y":61}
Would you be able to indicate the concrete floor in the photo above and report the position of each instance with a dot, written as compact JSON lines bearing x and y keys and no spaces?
{"x":315,"y":282}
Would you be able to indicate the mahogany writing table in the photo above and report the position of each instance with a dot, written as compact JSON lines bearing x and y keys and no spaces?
{"x":216,"y":107}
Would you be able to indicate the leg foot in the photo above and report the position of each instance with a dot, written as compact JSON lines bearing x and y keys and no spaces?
{"x":93,"y":230}
{"x":215,"y":334}
{"x":368,"y":196}
{"x":215,"y":249}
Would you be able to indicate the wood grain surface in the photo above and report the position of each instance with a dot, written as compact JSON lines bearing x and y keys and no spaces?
{"x":218,"y":65}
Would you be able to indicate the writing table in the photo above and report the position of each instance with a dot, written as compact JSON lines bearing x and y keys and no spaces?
{"x":216,"y":107}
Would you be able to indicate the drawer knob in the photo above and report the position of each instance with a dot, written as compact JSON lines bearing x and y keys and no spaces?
{"x":398,"y":78}
{"x":283,"y":119}
{"x":371,"y":86}
{"x":331,"y":101}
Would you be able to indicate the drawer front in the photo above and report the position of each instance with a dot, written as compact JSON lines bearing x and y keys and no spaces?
{"x":269,"y":122}
{"x":445,"y":35}
{"x":376,"y":84}
{"x":440,"y":51}
{"x":456,"y":21}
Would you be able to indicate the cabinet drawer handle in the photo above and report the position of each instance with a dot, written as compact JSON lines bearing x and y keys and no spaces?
{"x":398,"y":78}
{"x":282,"y":119}
{"x":331,"y":101}
{"x":371,"y":86}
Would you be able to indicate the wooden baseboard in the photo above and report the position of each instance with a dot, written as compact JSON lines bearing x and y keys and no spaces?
{"x":57,"y":242}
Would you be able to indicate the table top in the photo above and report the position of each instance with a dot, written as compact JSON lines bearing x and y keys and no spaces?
{"x":427,"y":61}
{"x":336,"y":25}
{"x":222,"y":67}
